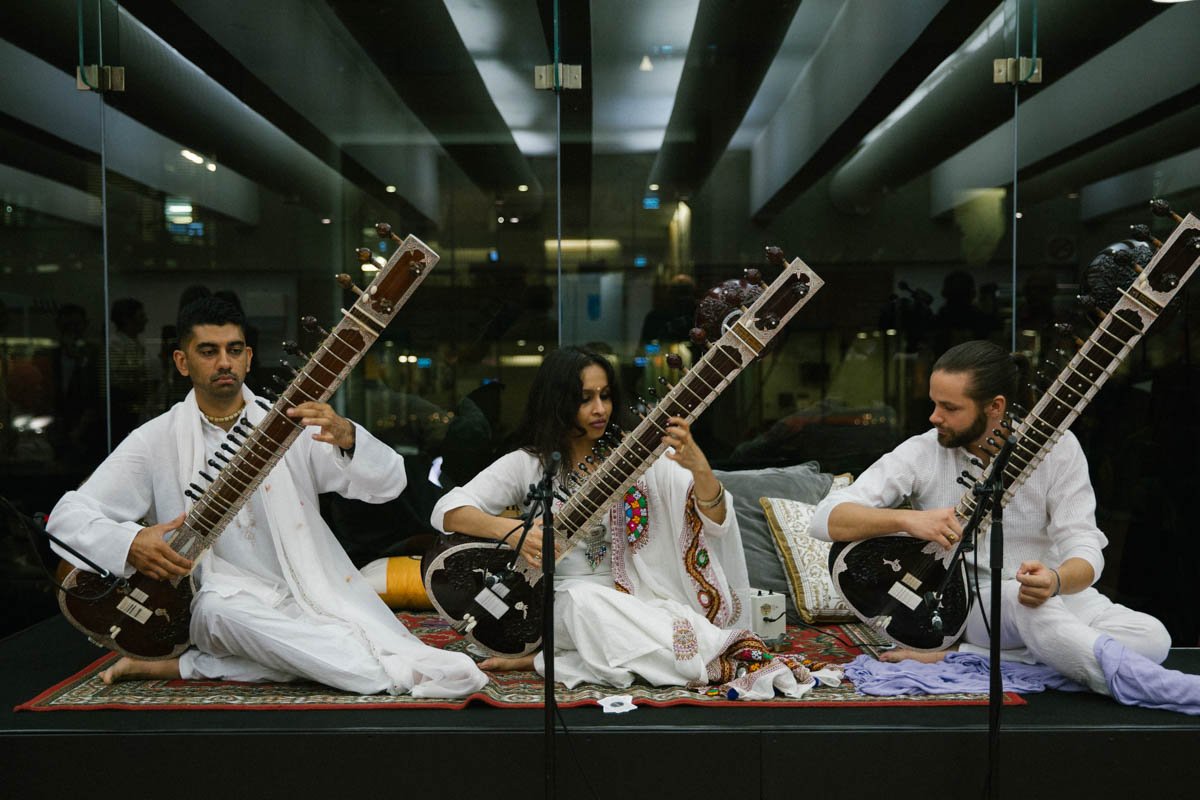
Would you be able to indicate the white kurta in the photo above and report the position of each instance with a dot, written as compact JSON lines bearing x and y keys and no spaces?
{"x":663,"y":601}
{"x":1050,"y":518}
{"x":277,"y":596}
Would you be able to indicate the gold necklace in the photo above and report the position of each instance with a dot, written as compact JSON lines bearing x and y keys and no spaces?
{"x":227,"y":418}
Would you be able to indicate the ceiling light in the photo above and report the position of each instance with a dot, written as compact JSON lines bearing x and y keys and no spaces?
{"x":645,"y":65}
{"x":211,"y":167}
{"x":192,"y":157}
{"x":326,"y":221}
{"x":1019,"y":215}
{"x":390,"y":189}
{"x":654,"y":187}
{"x":500,"y":220}
{"x":514,"y":219}
{"x":524,"y":187}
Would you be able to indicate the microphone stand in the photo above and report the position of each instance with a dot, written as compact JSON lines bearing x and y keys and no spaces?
{"x":993,"y":487}
{"x":990,"y":502}
{"x":543,"y":493}
{"x":113,"y":581}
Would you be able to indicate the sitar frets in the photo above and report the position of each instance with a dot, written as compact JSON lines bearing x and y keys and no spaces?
{"x":264,"y":446}
{"x":633,"y":456}
{"x":1096,"y":361}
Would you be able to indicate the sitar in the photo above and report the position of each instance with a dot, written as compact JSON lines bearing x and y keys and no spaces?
{"x":494,"y":597}
{"x":895,"y":583}
{"x":147,"y":618}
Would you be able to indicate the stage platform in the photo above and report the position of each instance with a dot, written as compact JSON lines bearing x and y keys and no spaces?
{"x":1060,"y":746}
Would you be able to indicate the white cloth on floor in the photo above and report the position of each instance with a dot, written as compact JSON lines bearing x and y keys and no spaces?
{"x":309,"y":594}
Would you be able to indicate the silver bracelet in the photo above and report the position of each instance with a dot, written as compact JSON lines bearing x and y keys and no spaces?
{"x":716,"y":501}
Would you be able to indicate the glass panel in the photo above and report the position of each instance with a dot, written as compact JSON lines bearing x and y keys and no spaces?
{"x":53,"y":316}
{"x":256,"y":145}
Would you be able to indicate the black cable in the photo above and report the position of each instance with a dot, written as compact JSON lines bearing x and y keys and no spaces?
{"x":115,"y":580}
{"x":575,"y":756}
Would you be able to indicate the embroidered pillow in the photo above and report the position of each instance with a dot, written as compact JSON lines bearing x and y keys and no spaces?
{"x":805,"y":559}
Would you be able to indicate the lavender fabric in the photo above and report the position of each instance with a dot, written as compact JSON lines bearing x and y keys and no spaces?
{"x":1135,"y":680}
{"x":958,"y":672}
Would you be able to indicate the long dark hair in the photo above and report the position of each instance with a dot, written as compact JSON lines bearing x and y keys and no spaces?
{"x":551,"y":418}
{"x":993,"y":370}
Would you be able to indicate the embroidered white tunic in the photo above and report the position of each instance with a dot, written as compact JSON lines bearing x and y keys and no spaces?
{"x":663,"y":603}
{"x":277,"y":597}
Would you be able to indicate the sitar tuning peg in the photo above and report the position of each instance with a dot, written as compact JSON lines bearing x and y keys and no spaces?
{"x":205,"y":475}
{"x":963,"y":481}
{"x":774,"y":256}
{"x":279,"y":381}
{"x":753,"y":276}
{"x":259,"y":402}
{"x":1161,"y":208}
{"x":346,"y":282}
{"x":1065,"y":329}
{"x":1142,"y":233}
{"x":674,"y":361}
{"x":311,"y":325}
{"x":698,"y":336}
{"x":385,"y":232}
{"x":291,"y":370}
{"x":192,"y":495}
{"x":1124,"y":258}
{"x":768,"y":322}
{"x":1088,"y":302}
{"x":975,"y":462}
{"x":293,"y":348}
{"x":365,"y":257}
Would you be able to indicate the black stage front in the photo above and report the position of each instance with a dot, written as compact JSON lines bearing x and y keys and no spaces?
{"x":1059,"y":746}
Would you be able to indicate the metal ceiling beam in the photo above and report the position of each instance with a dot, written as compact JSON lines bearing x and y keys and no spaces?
{"x":964,"y":105}
{"x":575,"y":111}
{"x":733,"y":44}
{"x":874,"y":55}
{"x":1118,"y":90}
{"x":418,"y":48}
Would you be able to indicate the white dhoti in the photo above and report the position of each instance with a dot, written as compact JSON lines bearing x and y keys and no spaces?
{"x":1062,"y":632}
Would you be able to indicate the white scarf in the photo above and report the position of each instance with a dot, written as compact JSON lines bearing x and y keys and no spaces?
{"x":319,"y":574}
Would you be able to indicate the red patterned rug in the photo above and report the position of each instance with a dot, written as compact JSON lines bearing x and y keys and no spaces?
{"x":84,"y":691}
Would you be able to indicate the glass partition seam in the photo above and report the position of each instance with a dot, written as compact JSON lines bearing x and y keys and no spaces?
{"x":558,"y":189}
{"x":108,"y":421}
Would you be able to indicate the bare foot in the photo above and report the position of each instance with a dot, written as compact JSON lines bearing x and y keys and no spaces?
{"x":129,"y":669}
{"x":904,"y":654}
{"x":497,"y":664}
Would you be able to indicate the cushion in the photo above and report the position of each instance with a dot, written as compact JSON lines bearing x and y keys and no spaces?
{"x":805,"y":560}
{"x":802,"y":482}
{"x":397,"y":580}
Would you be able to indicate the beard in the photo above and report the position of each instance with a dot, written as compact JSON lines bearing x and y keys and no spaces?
{"x":952,"y":439}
